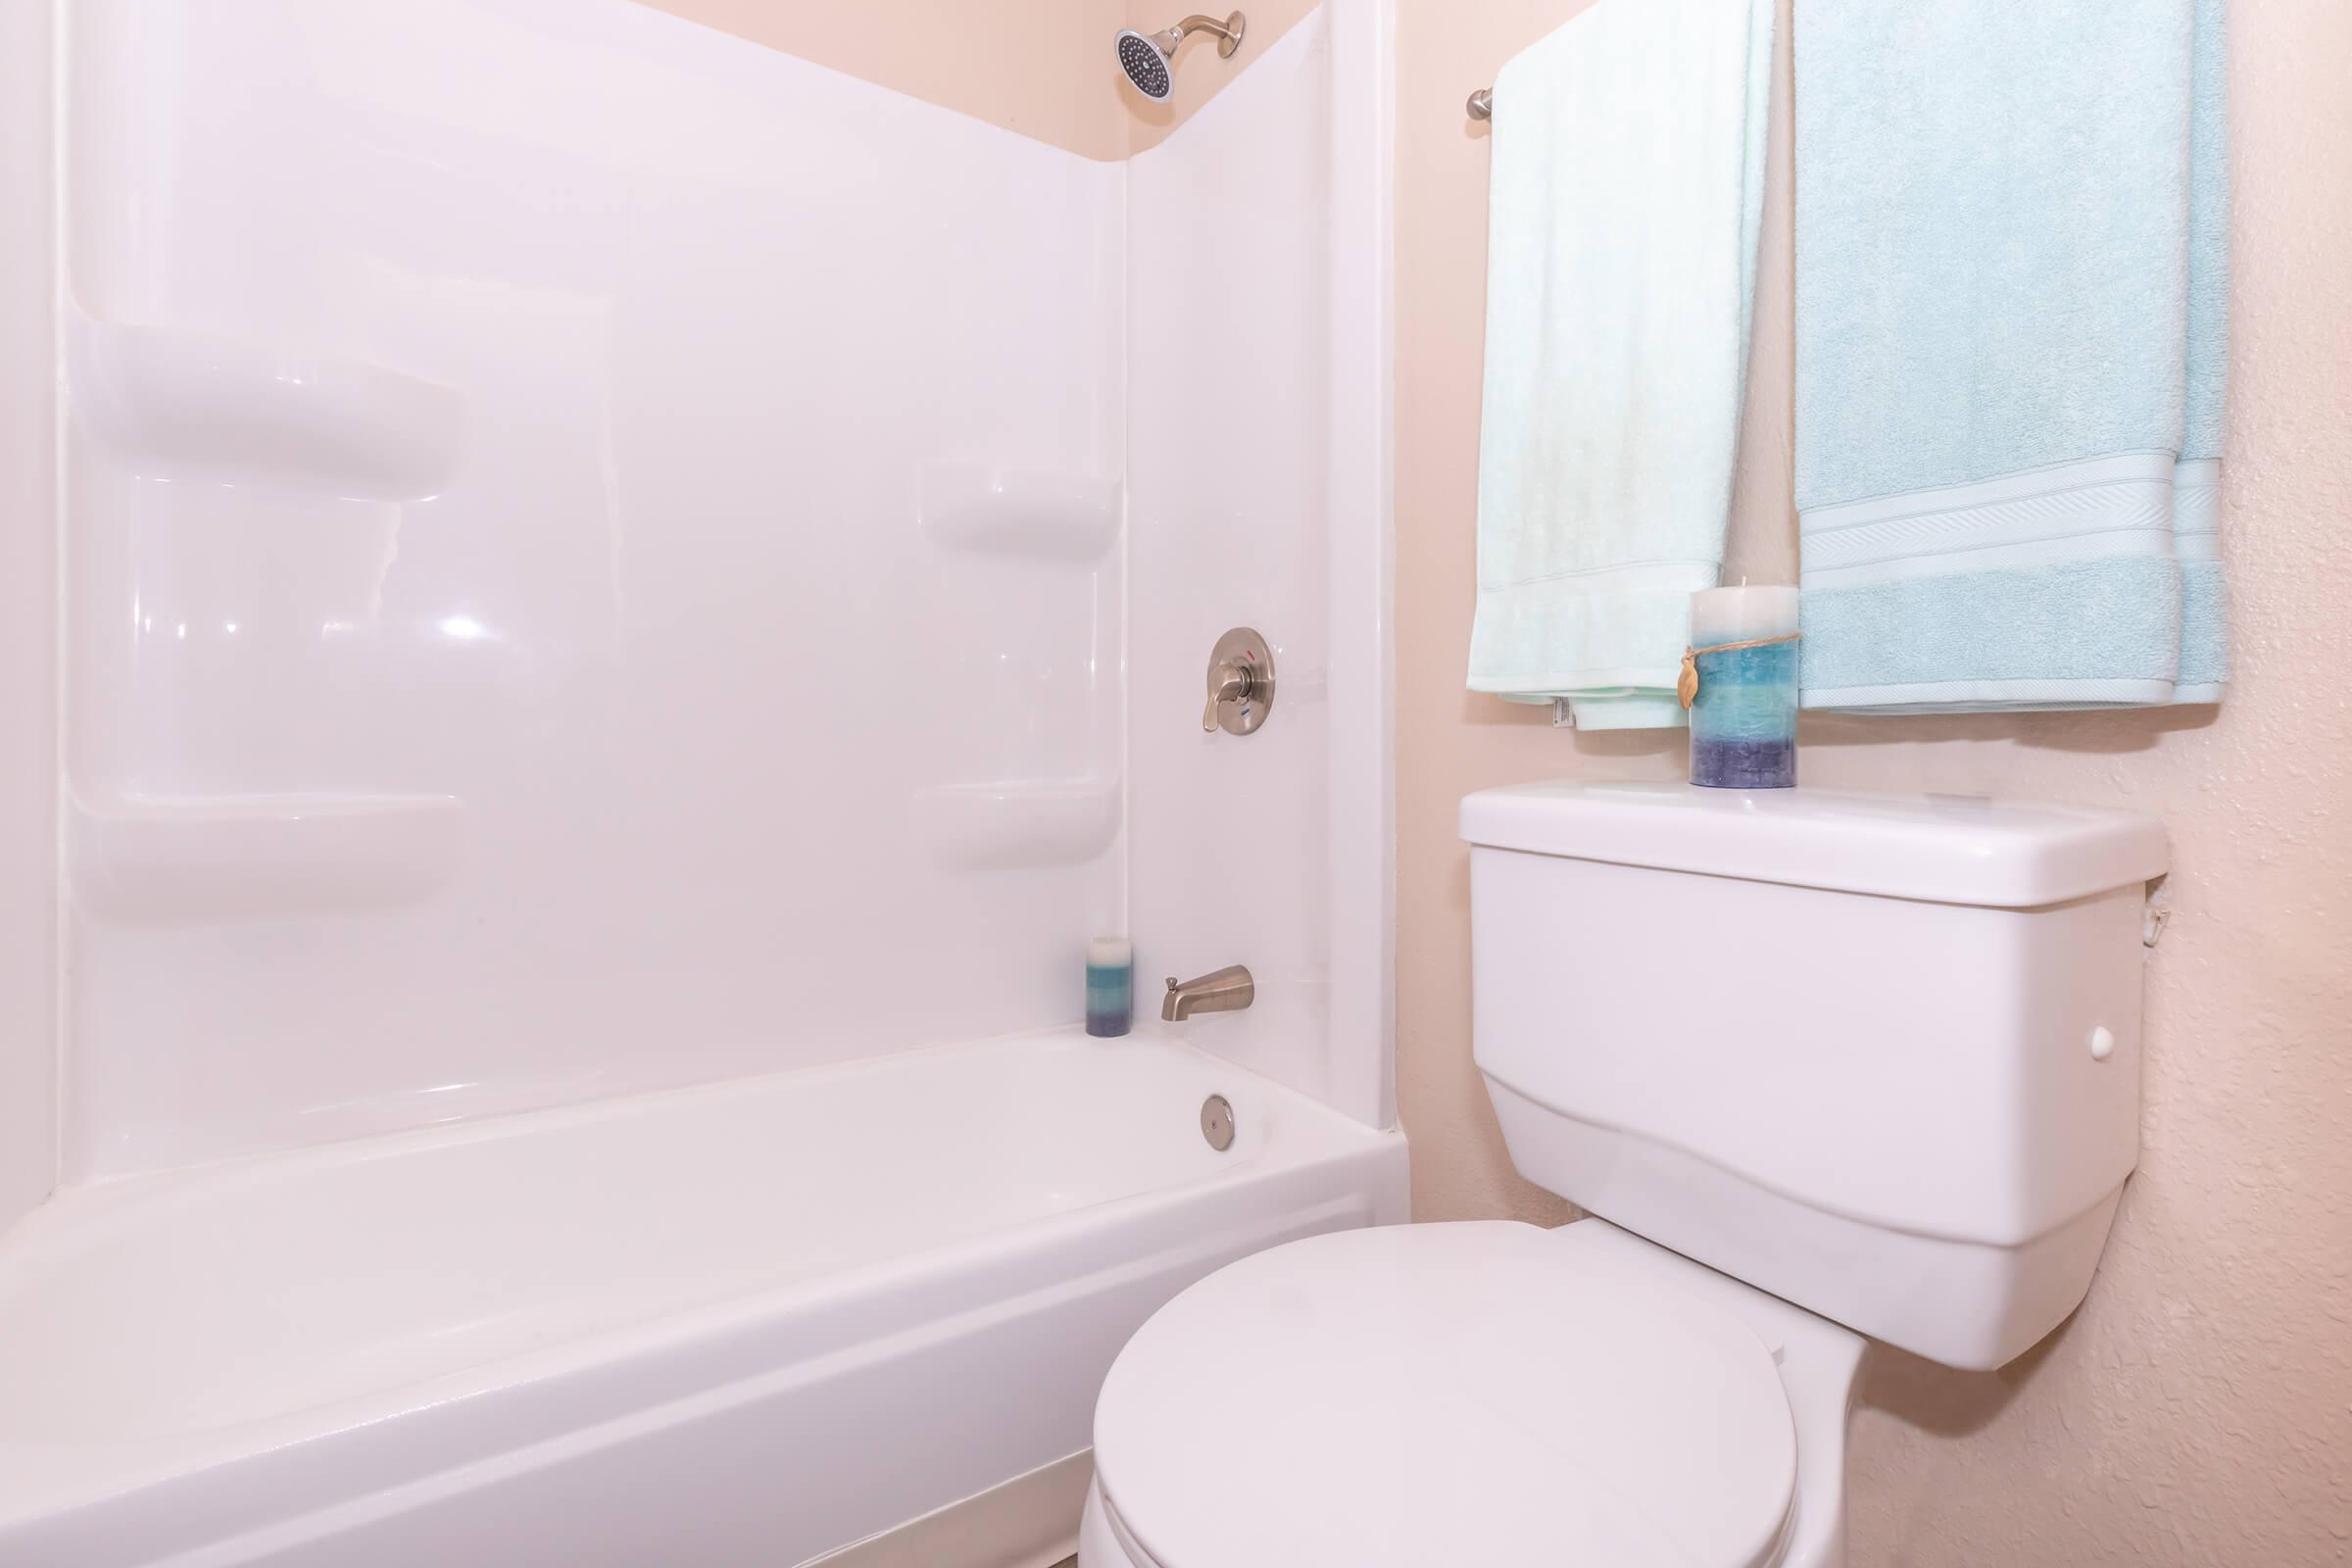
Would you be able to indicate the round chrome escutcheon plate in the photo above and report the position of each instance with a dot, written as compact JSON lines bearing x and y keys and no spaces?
{"x":1216,"y":1122}
{"x":1244,"y":650}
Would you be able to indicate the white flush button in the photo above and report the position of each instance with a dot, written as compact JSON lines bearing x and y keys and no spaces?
{"x":2103,"y":1044}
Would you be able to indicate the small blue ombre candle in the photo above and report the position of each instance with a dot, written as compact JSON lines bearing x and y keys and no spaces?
{"x":1744,"y":714}
{"x":1109,"y":986}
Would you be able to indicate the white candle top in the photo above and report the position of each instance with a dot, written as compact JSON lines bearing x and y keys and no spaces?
{"x":1109,"y":952}
{"x":1743,"y":614}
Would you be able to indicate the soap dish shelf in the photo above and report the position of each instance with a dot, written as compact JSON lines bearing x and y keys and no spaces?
{"x":195,"y":859}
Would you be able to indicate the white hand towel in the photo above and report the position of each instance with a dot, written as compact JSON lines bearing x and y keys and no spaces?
{"x":1625,"y":195}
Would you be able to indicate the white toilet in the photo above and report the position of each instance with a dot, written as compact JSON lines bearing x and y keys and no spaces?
{"x":1828,"y":1065}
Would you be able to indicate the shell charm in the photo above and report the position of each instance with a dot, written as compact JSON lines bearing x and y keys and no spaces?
{"x":1685,"y":685}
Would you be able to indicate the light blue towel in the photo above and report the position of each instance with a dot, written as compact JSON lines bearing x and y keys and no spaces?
{"x":2011,"y":285}
{"x":2196,"y":481}
{"x":1624,"y":207}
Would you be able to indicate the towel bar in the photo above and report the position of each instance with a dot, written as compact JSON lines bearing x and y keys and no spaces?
{"x":1481,"y":104}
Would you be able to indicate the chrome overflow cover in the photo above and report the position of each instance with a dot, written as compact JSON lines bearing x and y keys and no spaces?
{"x":1240,"y":684}
{"x":1216,"y":1122}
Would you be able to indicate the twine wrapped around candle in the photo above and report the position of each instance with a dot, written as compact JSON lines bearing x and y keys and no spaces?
{"x":1685,"y":685}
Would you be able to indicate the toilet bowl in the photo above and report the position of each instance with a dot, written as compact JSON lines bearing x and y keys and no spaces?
{"x":1473,"y":1393}
{"x":1828,"y":1068}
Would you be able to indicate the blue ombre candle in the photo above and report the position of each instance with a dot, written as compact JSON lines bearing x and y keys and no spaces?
{"x":1109,"y":986}
{"x":1743,"y":718}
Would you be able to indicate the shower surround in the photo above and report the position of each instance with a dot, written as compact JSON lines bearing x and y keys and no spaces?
{"x":595,"y":558}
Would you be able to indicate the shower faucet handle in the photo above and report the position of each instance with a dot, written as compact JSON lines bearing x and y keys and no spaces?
{"x":1227,"y":683}
{"x":1240,"y":684}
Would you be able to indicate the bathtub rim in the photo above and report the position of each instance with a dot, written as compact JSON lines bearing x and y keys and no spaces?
{"x":712,"y":1330}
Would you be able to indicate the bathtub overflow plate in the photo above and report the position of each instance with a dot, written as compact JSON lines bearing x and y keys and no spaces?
{"x":1216,"y":1122}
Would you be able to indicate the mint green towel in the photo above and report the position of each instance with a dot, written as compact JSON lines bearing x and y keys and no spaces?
{"x":2011,"y":296}
{"x":1625,"y":199}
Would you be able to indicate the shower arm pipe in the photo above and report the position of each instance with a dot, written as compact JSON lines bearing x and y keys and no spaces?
{"x":1227,"y":33}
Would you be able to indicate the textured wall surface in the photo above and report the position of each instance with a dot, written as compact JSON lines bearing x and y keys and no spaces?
{"x":1199,"y":74}
{"x":2198,"y":1409}
{"x":1043,"y":67}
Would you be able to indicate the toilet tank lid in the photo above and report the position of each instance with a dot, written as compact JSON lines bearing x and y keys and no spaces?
{"x":1945,"y":849}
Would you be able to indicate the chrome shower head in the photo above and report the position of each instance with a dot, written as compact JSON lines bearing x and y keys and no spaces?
{"x":1145,"y":62}
{"x":1145,"y":56}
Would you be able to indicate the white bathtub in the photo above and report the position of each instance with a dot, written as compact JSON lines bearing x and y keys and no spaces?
{"x":747,"y":1323}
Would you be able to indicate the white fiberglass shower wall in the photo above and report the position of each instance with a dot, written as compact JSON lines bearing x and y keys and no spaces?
{"x":563,"y":600}
{"x":1257,"y":304}
{"x":596,"y":556}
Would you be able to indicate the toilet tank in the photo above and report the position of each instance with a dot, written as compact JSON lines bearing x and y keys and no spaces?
{"x":1876,"y":1054}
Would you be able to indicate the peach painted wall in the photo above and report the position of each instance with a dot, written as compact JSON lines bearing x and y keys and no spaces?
{"x":1199,"y":74}
{"x":1043,"y":67}
{"x":2198,"y":1409}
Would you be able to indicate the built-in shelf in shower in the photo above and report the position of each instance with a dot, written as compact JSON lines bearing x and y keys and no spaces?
{"x":185,"y":859}
{"x":206,"y":406}
{"x":1020,"y":511}
{"x":1029,"y":823}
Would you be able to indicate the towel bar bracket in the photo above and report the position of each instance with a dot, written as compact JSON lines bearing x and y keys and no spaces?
{"x":1563,"y":713}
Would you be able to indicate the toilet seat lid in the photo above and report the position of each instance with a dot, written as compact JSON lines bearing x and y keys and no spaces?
{"x":1462,"y":1393}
